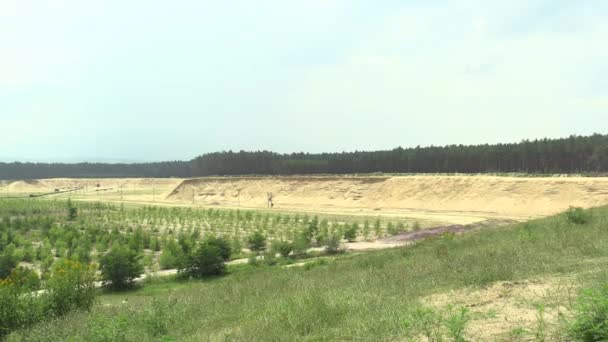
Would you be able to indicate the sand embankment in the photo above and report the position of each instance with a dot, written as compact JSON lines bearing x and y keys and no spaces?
{"x":509,"y":196}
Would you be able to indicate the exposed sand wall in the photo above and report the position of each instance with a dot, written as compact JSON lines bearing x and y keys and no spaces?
{"x":512,"y":196}
{"x":164,"y":185}
{"x":516,"y":197}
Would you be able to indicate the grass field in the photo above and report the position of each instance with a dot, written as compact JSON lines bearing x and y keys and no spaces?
{"x":518,"y":282}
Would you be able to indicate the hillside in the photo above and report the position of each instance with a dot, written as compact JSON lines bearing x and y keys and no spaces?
{"x":515,"y":197}
{"x":514,"y":283}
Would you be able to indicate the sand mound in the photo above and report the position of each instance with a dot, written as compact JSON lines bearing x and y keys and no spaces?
{"x":27,"y":186}
{"x":510,"y":196}
{"x":164,"y":185}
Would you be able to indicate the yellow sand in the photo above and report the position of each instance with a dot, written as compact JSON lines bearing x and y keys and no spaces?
{"x":456,"y":199}
{"x":491,"y":195}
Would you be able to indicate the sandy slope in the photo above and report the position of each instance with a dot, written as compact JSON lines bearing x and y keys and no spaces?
{"x":508,"y":196}
{"x":455,"y":199}
{"x":164,"y":185}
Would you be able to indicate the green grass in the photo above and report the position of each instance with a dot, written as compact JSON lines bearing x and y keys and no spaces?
{"x":367,"y":297}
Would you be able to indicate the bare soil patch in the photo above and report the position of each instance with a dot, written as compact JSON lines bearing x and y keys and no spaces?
{"x":429,"y":232}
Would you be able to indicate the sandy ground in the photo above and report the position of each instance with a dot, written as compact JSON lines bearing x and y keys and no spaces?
{"x":509,"y":311}
{"x":443,"y":199}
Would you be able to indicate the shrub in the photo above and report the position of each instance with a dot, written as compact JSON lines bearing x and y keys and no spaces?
{"x":72,"y":211}
{"x":101,"y":328}
{"x":377,"y":228}
{"x":270,"y":258}
{"x":282,"y":247}
{"x":332,"y":244}
{"x":236,"y":245}
{"x":590,"y":321}
{"x":456,"y":323}
{"x":71,"y":287}
{"x":256,"y":242}
{"x":436,"y":325}
{"x":156,"y":319}
{"x":221,"y":243}
{"x":18,"y":308}
{"x":577,"y":215}
{"x":120,"y":267}
{"x":416,"y":226}
{"x":8,"y":261}
{"x":172,"y":255}
{"x":25,"y":278}
{"x":206,"y":261}
{"x":350,"y":233}
{"x":300,"y":244}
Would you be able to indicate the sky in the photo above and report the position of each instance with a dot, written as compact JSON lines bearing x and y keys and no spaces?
{"x":116,"y":80}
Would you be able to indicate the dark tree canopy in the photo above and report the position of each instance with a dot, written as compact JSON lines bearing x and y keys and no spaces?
{"x":575,"y":154}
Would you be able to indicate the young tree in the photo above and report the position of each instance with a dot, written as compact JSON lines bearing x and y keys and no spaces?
{"x":377,"y":228}
{"x":300,"y":243}
{"x":8,"y":261}
{"x":25,"y":278}
{"x":72,"y":210}
{"x":71,"y":287}
{"x":206,"y":261}
{"x":222,"y":244}
{"x":256,"y":242}
{"x":120,"y":267}
{"x":366,"y":229}
{"x":350,"y":233}
{"x":172,"y":255}
{"x":332,"y":245}
{"x":282,"y":247}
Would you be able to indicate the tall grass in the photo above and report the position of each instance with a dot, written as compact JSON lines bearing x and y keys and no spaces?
{"x":368,"y":297}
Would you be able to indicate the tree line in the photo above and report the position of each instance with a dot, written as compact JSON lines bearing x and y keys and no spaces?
{"x":575,"y":154}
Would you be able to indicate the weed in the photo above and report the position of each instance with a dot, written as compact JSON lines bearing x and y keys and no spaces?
{"x":578,"y":215}
{"x":590,"y":321}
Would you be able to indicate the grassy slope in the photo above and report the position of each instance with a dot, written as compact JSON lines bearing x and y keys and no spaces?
{"x":364,"y":297}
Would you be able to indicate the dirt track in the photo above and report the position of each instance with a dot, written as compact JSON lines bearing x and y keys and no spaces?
{"x":435,"y":231}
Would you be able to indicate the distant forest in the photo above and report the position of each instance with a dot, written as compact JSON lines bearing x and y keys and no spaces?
{"x":576,"y":154}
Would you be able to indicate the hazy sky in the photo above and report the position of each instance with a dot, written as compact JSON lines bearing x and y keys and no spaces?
{"x":115,"y":80}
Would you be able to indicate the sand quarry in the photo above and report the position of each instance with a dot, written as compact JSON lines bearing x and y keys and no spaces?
{"x":446,"y":199}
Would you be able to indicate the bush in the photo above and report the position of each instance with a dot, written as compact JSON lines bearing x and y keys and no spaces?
{"x":120,"y":267}
{"x":332,"y":244}
{"x":206,"y":261}
{"x":71,"y":287}
{"x":577,"y":215}
{"x":18,"y":309}
{"x":282,"y":247}
{"x":8,"y":261}
{"x":236,"y":246}
{"x":437,"y":325}
{"x":300,"y":244}
{"x":350,"y":233}
{"x":72,"y":211}
{"x":591,"y":316}
{"x":256,"y":242}
{"x":221,"y":243}
{"x":252,"y":260}
{"x":156,"y":319}
{"x":172,"y":256}
{"x":25,"y":278}
{"x":416,"y":226}
{"x":270,"y":258}
{"x":101,"y":328}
